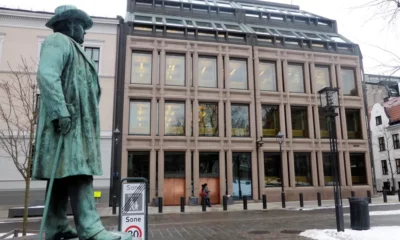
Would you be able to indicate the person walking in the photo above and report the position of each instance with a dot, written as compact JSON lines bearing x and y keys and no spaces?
{"x":205,"y":192}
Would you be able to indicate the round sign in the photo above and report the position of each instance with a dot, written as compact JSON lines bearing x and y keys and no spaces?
{"x":134,"y":230}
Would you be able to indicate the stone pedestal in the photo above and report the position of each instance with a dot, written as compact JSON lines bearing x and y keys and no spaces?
{"x":154,"y":203}
{"x":230,"y":200}
{"x":193,"y":201}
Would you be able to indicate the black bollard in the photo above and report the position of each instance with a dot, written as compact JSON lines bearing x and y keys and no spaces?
{"x":244,"y":202}
{"x":301,"y":200}
{"x":398,"y":194}
{"x":319,"y":199}
{"x":283,"y":199}
{"x":369,"y":196}
{"x":264,"y":200}
{"x":182,"y":204}
{"x":203,"y":204}
{"x":114,"y":205}
{"x":225,"y":202}
{"x":353,"y":194}
{"x":385,"y":196}
{"x":160,"y":204}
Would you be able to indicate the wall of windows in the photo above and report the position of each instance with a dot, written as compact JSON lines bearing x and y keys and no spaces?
{"x":302,"y":169}
{"x":175,"y":118}
{"x":299,"y":122}
{"x":207,"y":72}
{"x":240,"y":120}
{"x":270,"y":120}
{"x":296,"y":78}
{"x":139,"y":119}
{"x":208,"y":119}
{"x":267,"y":76}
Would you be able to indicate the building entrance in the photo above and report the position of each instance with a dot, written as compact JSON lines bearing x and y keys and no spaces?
{"x":139,"y":165}
{"x":209,"y":173}
{"x":241,"y":171}
{"x":174,"y":177}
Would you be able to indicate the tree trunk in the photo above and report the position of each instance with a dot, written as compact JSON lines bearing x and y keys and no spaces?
{"x":391,"y":172}
{"x":25,"y":221}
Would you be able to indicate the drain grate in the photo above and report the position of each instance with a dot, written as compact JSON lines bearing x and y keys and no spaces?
{"x":259,"y":232}
{"x":291,"y":231}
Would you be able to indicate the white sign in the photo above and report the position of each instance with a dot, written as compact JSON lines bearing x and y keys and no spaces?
{"x":135,"y":225}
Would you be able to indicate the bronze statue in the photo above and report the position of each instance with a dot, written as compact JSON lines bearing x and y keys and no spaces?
{"x":70,"y":95}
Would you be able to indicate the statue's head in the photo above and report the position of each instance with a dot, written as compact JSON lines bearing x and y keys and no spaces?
{"x":70,"y":21}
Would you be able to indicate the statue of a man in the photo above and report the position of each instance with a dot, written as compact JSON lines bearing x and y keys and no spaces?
{"x":70,"y":95}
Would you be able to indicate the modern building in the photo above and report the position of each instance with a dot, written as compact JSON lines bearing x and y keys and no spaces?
{"x":204,"y":87}
{"x":385,"y":128}
{"x":21,"y":35}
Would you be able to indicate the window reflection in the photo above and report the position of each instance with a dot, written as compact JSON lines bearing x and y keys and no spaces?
{"x":174,"y":164}
{"x":238,"y":74}
{"x":141,"y":68}
{"x":267,"y":76}
{"x":349,"y":82}
{"x":299,"y":122}
{"x":272,"y":169}
{"x":139,"y":120}
{"x":175,"y":119}
{"x":322,"y":77}
{"x":208,"y":72}
{"x":323,"y":124}
{"x":240,"y":121}
{"x":270,"y":120}
{"x":295,"y":78}
{"x":358,"y":169}
{"x":353,"y":122}
{"x":208,"y":165}
{"x":302,"y":169}
{"x":175,"y":70}
{"x":328,"y":169}
{"x":208,"y":119}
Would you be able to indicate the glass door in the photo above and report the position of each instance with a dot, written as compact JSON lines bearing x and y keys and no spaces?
{"x":241,"y":171}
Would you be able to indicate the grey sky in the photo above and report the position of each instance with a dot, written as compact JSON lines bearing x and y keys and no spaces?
{"x":354,"y":23}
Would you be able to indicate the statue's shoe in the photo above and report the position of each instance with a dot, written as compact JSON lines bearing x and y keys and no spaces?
{"x":68,"y":233}
{"x":106,"y":235}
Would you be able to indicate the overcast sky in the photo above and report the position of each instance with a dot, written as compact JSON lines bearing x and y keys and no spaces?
{"x":377,"y":39}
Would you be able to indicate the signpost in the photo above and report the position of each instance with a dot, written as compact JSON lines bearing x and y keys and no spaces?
{"x":133,"y":206}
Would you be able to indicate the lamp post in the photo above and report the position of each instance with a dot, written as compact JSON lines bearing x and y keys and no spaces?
{"x":329,"y":102}
{"x":280,"y":138}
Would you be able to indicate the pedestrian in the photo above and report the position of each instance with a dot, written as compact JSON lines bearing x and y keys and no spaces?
{"x":205,"y":192}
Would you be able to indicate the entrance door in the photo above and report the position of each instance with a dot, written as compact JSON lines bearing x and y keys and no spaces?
{"x":209,"y":173}
{"x":139,"y":166}
{"x":174,"y":177}
{"x":241,"y":169}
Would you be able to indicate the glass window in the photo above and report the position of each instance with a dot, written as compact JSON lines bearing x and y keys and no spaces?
{"x":175,"y":119}
{"x":267,"y":76}
{"x":302,"y":169}
{"x":207,"y":72}
{"x":208,"y":165}
{"x":299,"y":122}
{"x":358,"y":169}
{"x":238,"y":74}
{"x":328,"y":169}
{"x":240,"y":120}
{"x":139,"y":120}
{"x":322,"y":77}
{"x":378,"y":120}
{"x":270,"y":120}
{"x":175,"y":70}
{"x":353,"y":122}
{"x":398,"y":166}
{"x":349,"y":82}
{"x":396,"y":142}
{"x":241,"y":173}
{"x":295,"y":78}
{"x":94,"y":54}
{"x":174,"y":164}
{"x":323,"y":123}
{"x":382,"y":146}
{"x":384,"y":167}
{"x":272,"y":169}
{"x":138,"y":164}
{"x":208,"y":119}
{"x":141,"y":68}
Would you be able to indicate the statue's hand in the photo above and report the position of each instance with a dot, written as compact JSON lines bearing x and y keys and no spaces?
{"x":63,"y":125}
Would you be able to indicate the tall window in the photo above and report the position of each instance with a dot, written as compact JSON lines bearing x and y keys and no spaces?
{"x":139,"y":164}
{"x":358,"y":169}
{"x":353,"y":121}
{"x":348,"y":82}
{"x":270,"y":120}
{"x":398,"y":166}
{"x":328,"y":169}
{"x":378,"y":120}
{"x":272,"y":169}
{"x":208,"y":164}
{"x":208,"y":119}
{"x":299,"y":122}
{"x":240,"y":120}
{"x":175,"y":118}
{"x":175,"y":70}
{"x":238,"y":74}
{"x":141,"y":68}
{"x":323,"y":124}
{"x":267,"y":76}
{"x":174,"y":164}
{"x":381,"y":142}
{"x":384,"y":167}
{"x":207,"y":72}
{"x":396,"y":144}
{"x":139,"y":119}
{"x":302,"y":169}
{"x":296,"y":78}
{"x":94,"y":54}
{"x":322,"y":77}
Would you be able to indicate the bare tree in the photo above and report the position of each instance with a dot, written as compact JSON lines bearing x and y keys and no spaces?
{"x":18,"y":120}
{"x":383,"y":9}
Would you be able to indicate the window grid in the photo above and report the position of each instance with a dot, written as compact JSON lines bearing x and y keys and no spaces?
{"x":94,"y":54}
{"x":378,"y":120}
{"x":382,"y":146}
{"x":396,"y":143}
{"x":398,"y":166}
{"x":384,"y":167}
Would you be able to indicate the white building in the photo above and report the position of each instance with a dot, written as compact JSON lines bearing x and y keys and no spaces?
{"x":385,"y":130}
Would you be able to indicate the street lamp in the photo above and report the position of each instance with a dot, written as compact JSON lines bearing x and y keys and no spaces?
{"x":280,"y":138}
{"x":329,"y":102}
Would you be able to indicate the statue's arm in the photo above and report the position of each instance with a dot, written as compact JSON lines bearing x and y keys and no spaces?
{"x":53,"y":57}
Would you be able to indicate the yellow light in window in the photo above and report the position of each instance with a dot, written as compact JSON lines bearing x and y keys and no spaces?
{"x":170,"y":77}
{"x":261,"y":73}
{"x":173,"y":67}
{"x":140,"y":124}
{"x":233,"y":71}
{"x":204,"y":68}
{"x":141,"y":65}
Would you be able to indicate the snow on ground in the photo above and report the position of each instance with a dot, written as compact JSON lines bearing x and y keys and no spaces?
{"x":380,"y":213}
{"x":19,"y":235}
{"x":375,"y":233}
{"x":333,"y":207}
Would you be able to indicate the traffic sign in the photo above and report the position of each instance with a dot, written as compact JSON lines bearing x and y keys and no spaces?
{"x":135,"y":225}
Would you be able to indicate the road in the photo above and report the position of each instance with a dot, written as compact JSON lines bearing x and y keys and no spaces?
{"x":271,"y":224}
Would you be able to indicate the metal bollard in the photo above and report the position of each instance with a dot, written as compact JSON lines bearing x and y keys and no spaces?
{"x":398,"y":194}
{"x":369,"y":196}
{"x":225,"y":203}
{"x":16,"y":233}
{"x":319,"y":199}
{"x":244,"y":202}
{"x":264,"y":200}
{"x":353,"y":194}
{"x":301,"y":200}
{"x":385,"y":196}
{"x":160,"y":205}
{"x":114,"y":205}
{"x":203,"y":204}
{"x":283,"y":199}
{"x":182,"y":204}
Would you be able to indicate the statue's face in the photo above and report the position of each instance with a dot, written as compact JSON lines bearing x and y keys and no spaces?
{"x":77,"y":32}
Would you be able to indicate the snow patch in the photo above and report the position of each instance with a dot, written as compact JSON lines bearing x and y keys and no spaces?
{"x":19,"y":235}
{"x":390,"y":233}
{"x":380,"y":213}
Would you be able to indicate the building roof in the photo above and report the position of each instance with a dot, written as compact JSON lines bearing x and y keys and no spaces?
{"x":392,"y":109}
